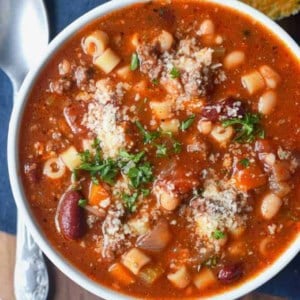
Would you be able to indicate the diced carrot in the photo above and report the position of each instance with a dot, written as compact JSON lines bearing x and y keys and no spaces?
{"x":97,"y":194}
{"x":121,"y":274}
{"x":249,"y":178}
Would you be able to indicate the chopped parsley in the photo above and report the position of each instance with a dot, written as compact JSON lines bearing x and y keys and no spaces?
{"x":161,"y":150}
{"x":186,"y":124}
{"x":130,"y":201}
{"x":245,"y":162}
{"x":155,"y":81}
{"x":247,"y":128}
{"x":140,"y":174}
{"x":82,"y":203}
{"x":177,"y":147}
{"x":218,"y":234}
{"x":174,"y":73}
{"x":148,"y":135}
{"x":106,"y":169}
{"x":135,"y":63}
{"x":211,"y":262}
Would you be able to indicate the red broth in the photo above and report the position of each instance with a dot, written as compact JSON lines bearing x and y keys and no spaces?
{"x":160,"y":149}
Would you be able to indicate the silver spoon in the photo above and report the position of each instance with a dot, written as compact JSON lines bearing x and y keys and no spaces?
{"x":24,"y":35}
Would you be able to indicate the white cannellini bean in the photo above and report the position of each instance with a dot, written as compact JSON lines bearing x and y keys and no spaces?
{"x":107,"y":61}
{"x":168,"y":200}
{"x":234,"y":59}
{"x":206,"y":27}
{"x":204,"y":126}
{"x":54,"y":168}
{"x":272,"y":78}
{"x":267,"y":102}
{"x":253,"y":82}
{"x":95,"y":43}
{"x":165,"y":40}
{"x":221,"y":134}
{"x":270,"y":206}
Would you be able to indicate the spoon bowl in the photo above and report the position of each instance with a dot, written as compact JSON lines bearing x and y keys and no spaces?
{"x":24,"y":36}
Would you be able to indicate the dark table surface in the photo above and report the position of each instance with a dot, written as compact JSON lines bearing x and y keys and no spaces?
{"x":61,"y":13}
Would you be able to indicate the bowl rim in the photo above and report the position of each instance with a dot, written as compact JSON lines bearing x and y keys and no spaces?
{"x":14,"y":168}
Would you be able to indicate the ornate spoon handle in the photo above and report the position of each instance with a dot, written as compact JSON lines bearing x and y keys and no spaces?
{"x":31,"y":277}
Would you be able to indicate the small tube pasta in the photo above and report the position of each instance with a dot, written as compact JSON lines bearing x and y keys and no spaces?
{"x":71,"y":158}
{"x":253,"y":82}
{"x":181,"y":278}
{"x":204,"y":279}
{"x":95,"y":43}
{"x":54,"y":168}
{"x":170,"y":125}
{"x":163,"y":109}
{"x":134,"y":260}
{"x":107,"y":61}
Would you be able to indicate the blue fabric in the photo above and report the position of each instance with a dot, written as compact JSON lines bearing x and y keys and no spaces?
{"x":61,"y":13}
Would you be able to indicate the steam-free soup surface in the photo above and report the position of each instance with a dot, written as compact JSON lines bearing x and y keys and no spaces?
{"x":160,"y":149}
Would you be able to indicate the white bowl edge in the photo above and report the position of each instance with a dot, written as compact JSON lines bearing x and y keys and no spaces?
{"x":14,"y":169}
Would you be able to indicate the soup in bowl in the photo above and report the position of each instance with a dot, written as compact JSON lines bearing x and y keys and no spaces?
{"x":154,"y":152}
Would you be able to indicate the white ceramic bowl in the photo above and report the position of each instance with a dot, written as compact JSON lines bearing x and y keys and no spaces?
{"x":14,"y":168}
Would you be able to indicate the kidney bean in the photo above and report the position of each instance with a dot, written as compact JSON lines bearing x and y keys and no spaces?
{"x":71,"y":216}
{"x":230,"y":273}
{"x":225,"y":109}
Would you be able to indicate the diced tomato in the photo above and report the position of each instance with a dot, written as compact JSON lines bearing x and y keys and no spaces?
{"x":249,"y":178}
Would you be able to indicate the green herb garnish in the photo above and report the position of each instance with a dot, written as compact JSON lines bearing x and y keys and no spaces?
{"x":247,"y":128}
{"x":211,"y":262}
{"x":107,"y":169}
{"x":161,"y":150}
{"x":177,"y":147}
{"x":135,"y":63}
{"x":148,"y":136}
{"x":174,"y":73}
{"x":186,"y":124}
{"x":140,"y":174}
{"x":130,"y":201}
{"x":82,"y":203}
{"x":218,"y":234}
{"x":245,"y":162}
{"x":155,"y":81}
